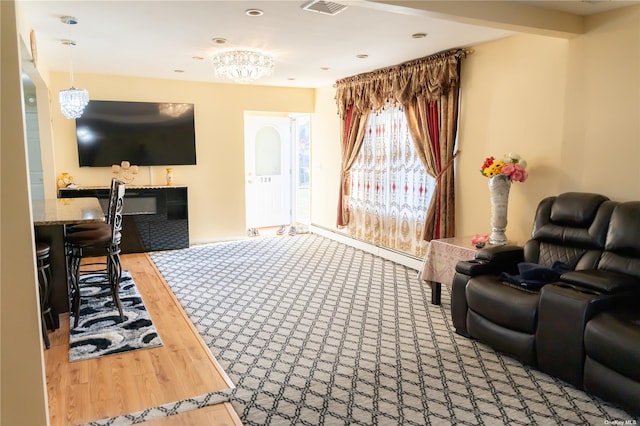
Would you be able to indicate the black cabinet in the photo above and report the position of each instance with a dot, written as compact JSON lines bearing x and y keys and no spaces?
{"x":154,"y":218}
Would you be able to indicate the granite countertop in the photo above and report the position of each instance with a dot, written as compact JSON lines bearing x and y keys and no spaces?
{"x":127,"y":186}
{"x":64,"y":211}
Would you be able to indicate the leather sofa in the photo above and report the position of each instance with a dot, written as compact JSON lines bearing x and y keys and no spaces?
{"x":583,"y":325}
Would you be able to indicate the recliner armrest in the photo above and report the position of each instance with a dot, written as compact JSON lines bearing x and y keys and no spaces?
{"x":604,"y":281}
{"x":474,"y":268}
{"x":501,"y":254}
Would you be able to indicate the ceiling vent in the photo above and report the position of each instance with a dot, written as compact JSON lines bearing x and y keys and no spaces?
{"x":324,"y":7}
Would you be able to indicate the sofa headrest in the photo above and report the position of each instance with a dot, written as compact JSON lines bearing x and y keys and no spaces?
{"x":576,"y":209}
{"x":573,"y":219}
{"x":624,"y":230}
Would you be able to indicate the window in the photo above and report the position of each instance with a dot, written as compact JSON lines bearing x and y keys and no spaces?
{"x":390,"y":190}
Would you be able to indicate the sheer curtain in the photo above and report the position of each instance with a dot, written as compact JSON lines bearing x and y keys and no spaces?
{"x":390,"y":189}
{"x":428,"y":89}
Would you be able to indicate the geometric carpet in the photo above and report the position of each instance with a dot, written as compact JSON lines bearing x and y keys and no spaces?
{"x":312,"y":331}
{"x":100,"y":330}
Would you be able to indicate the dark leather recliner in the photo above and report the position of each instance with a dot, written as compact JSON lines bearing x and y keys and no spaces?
{"x":570,"y":228}
{"x":612,"y":337}
{"x":584,"y":327}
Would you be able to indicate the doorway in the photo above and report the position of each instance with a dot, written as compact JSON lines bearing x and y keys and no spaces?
{"x":277,"y":178}
{"x":33,"y":138}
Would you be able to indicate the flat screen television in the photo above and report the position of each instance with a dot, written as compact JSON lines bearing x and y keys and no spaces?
{"x":143,"y":133}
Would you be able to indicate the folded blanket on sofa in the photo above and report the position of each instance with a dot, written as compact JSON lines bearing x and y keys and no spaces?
{"x":533,"y":276}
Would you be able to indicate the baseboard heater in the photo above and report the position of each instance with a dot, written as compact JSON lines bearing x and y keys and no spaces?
{"x":405,"y":259}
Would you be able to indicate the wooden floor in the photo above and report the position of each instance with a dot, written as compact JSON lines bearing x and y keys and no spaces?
{"x":112,"y":385}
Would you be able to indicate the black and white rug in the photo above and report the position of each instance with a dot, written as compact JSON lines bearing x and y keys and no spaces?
{"x":314,"y":332}
{"x":101,"y":332}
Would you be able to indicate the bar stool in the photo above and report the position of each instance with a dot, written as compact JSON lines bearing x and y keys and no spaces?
{"x":105,"y":238}
{"x":44,"y":277}
{"x":69,"y":229}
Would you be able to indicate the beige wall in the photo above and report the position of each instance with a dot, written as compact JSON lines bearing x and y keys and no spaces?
{"x":570,"y":107}
{"x":216,"y":183}
{"x":601,"y":137}
{"x":513,"y":95}
{"x":325,"y":159}
{"x":22,"y":384}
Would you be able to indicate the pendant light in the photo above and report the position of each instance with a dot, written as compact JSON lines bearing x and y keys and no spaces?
{"x":72,"y":101}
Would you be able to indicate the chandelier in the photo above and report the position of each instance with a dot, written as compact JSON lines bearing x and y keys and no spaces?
{"x":72,"y":101}
{"x":243,"y":66}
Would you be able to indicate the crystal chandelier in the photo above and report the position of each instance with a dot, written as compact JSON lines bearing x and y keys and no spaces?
{"x":72,"y":101}
{"x":243,"y":66}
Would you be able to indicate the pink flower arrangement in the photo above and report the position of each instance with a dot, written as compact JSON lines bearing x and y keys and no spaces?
{"x":512,"y":166}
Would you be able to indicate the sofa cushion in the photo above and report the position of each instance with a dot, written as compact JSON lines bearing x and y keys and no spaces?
{"x":613,"y":339}
{"x":502,"y":303}
{"x":622,"y":248}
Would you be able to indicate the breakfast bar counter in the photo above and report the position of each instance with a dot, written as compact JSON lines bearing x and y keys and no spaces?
{"x":66,"y":211}
{"x":49,"y":219}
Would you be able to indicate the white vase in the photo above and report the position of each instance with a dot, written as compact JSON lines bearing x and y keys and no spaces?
{"x":169,"y":176}
{"x":499,"y":191}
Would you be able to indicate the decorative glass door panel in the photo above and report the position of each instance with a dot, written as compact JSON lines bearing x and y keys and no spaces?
{"x":268,"y":171}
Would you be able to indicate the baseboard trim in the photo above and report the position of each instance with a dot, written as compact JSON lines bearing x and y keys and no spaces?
{"x":407,"y":260}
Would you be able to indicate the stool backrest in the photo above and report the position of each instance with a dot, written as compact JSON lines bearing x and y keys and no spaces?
{"x":112,"y":198}
{"x":114,"y":216}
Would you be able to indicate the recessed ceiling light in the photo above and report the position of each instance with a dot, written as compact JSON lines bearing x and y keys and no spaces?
{"x":254,"y":12}
{"x":197,"y":58}
{"x":419,"y":35}
{"x":69,"y":20}
{"x":291,"y":78}
{"x":219,"y":40}
{"x":362,"y":56}
{"x":178,"y":71}
{"x":325,"y":68}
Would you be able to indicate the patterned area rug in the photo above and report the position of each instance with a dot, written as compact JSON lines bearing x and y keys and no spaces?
{"x":101,"y":332}
{"x":314,"y":332}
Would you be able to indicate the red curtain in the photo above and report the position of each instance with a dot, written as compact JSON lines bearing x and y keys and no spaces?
{"x":433,"y":125}
{"x":354,"y":123}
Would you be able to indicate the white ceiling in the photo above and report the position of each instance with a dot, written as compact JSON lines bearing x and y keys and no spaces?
{"x":155,"y":38}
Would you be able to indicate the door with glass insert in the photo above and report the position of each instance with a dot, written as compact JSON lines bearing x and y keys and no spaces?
{"x":267,"y":171}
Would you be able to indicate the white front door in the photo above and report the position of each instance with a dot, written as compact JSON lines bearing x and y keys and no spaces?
{"x":268,"y":183}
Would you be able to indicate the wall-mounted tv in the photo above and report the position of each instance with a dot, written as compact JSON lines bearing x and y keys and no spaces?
{"x":143,"y":133}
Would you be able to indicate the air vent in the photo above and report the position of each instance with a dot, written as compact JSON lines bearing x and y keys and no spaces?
{"x":324,"y":7}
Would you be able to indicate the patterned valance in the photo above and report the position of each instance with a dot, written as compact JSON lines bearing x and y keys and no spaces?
{"x":429,"y":77}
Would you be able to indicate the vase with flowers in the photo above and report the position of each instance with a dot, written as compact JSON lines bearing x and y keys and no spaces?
{"x":512,"y":168}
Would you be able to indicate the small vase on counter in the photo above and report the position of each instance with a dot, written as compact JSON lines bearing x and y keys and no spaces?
{"x":169,"y":176}
{"x":64,"y":180}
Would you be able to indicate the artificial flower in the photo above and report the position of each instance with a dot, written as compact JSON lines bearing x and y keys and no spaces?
{"x":479,"y":239}
{"x":512,"y":166}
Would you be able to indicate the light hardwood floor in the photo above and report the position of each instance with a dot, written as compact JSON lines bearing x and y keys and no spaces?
{"x":112,"y":385}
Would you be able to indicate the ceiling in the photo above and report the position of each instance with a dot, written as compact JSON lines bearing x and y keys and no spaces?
{"x":173,"y":39}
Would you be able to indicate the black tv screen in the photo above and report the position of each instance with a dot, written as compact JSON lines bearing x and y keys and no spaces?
{"x":143,"y":133}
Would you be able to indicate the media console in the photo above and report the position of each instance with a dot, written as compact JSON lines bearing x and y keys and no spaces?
{"x":154,"y":217}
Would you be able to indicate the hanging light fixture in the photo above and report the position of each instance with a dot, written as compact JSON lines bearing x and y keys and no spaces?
{"x":243,"y":66}
{"x":72,"y":101}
